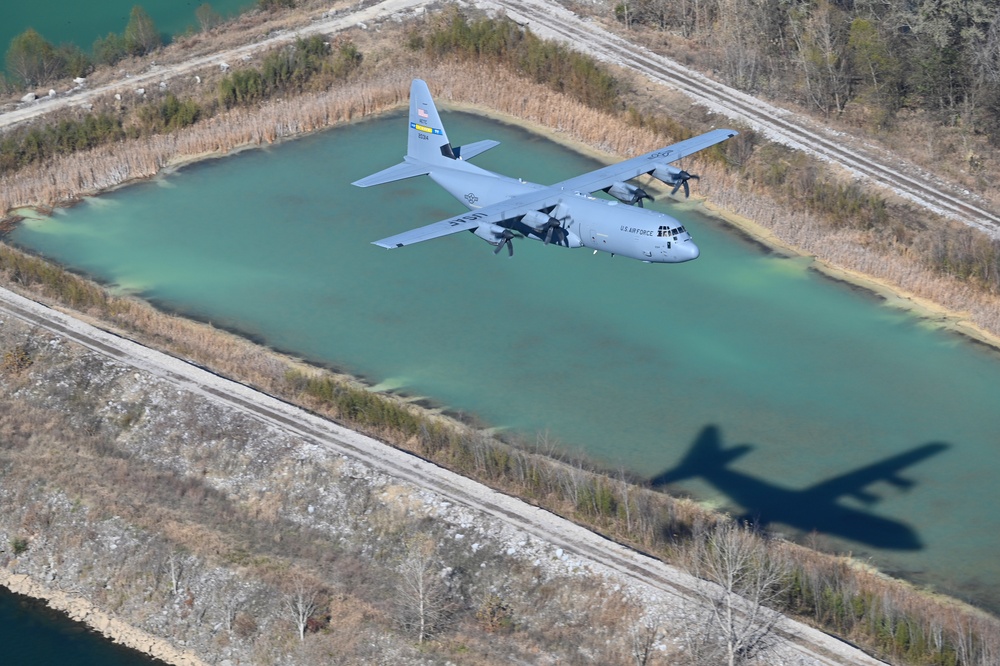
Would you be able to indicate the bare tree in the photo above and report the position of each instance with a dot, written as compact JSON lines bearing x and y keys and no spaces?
{"x":645,"y":631}
{"x":747,"y":578}
{"x":32,"y":59}
{"x":141,"y":35}
{"x":228,"y":602}
{"x":820,"y":36}
{"x":173,"y":565}
{"x":301,"y":602}
{"x":207,"y":17}
{"x":423,"y":597}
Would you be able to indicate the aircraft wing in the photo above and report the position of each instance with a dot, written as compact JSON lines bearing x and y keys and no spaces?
{"x":492,"y":214}
{"x":606,"y":176}
{"x":546,"y":197}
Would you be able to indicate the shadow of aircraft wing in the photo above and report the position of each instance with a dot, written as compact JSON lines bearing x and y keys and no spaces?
{"x":816,"y":508}
{"x":854,"y":484}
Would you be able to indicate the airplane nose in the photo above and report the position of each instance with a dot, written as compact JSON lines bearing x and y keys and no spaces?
{"x":688,"y":251}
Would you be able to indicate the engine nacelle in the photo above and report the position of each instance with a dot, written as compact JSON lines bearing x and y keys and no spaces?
{"x":536,"y":219}
{"x":627,"y":194}
{"x":491,"y":233}
{"x":668,"y":174}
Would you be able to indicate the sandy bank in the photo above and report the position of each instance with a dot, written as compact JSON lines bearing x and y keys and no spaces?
{"x":81,"y":610}
{"x":892,"y":294}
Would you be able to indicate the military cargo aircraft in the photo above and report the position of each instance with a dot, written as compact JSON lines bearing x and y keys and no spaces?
{"x":565,"y":214}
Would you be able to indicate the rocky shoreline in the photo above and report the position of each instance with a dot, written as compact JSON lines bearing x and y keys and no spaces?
{"x":82,"y":610}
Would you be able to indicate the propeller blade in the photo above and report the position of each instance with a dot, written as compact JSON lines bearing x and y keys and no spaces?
{"x":641,"y":194}
{"x":687,"y":190}
{"x":510,"y":249}
{"x":499,"y":247}
{"x":677,"y":187}
{"x":548,"y":235}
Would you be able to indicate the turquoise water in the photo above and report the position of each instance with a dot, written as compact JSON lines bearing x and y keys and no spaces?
{"x":850,"y":418}
{"x":81,"y":23}
{"x":32,"y":633}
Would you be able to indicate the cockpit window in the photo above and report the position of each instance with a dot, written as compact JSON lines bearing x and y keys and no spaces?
{"x":667,"y":231}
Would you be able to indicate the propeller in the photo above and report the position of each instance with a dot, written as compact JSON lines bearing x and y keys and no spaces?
{"x":505,"y":238}
{"x":554,"y":226}
{"x":641,"y":194}
{"x":682,"y":178}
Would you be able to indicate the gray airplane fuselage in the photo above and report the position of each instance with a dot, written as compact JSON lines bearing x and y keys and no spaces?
{"x":566,"y":213}
{"x":598,"y":224}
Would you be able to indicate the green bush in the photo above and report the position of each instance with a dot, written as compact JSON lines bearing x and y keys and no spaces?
{"x":291,"y":69}
{"x":19,"y":545}
{"x":20,"y":148}
{"x":171,"y":114}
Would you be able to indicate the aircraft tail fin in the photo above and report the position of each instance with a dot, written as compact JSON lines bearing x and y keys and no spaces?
{"x":705,"y":455}
{"x":426,"y":141}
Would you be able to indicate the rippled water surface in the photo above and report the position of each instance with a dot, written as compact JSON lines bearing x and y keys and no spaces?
{"x":744,"y":377}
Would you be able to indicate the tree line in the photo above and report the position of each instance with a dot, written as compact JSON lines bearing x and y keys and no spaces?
{"x":31,"y":60}
{"x":308,"y":62}
{"x":24,"y":146}
{"x":502,"y":41}
{"x":937,"y":56}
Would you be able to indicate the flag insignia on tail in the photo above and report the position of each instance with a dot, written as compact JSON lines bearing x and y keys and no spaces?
{"x":425,"y":128}
{"x":421,"y":113}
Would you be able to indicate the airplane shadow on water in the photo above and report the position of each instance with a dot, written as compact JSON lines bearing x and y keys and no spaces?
{"x":813,"y":509}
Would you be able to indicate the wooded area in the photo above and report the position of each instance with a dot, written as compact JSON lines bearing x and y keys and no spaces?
{"x":939,"y":56}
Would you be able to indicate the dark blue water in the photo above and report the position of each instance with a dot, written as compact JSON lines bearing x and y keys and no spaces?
{"x":32,"y":634}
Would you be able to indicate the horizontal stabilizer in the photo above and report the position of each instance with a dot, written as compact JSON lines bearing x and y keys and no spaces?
{"x":468,"y":151}
{"x":401,"y":171}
